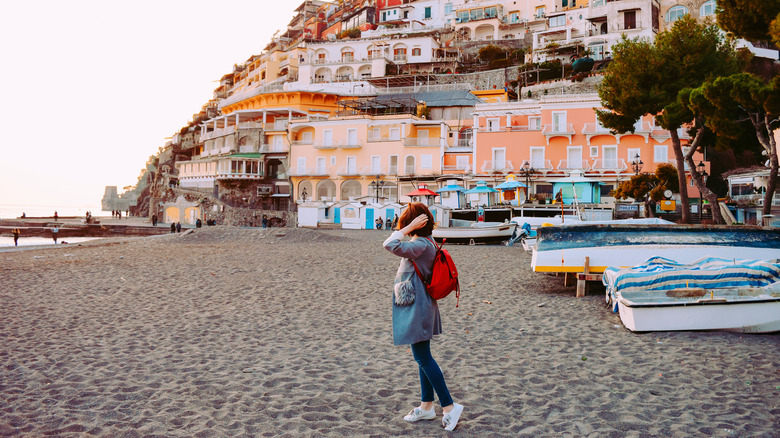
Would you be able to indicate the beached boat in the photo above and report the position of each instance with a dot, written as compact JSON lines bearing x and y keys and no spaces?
{"x":564,"y":248}
{"x":710,"y":294}
{"x":529,"y":225}
{"x":476,"y":232}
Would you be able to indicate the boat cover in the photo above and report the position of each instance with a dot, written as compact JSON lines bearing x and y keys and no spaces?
{"x":662,"y":274}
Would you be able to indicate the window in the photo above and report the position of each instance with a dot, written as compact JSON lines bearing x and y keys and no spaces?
{"x":559,"y":121}
{"x":610,"y":157}
{"x":514,"y":17}
{"x":463,"y":16}
{"x":352,"y":137}
{"x":375,"y":135}
{"x":327,"y":137}
{"x":597,"y":51}
{"x":492,"y":125}
{"x":574,"y":157}
{"x":351,"y":165}
{"x":540,"y":12}
{"x":306,"y":138}
{"x":708,"y":8}
{"x":426,"y":161}
{"x":558,"y":20}
{"x":395,"y":133}
{"x":631,"y":155}
{"x":376,"y":165}
{"x":534,"y":123}
{"x":392,"y":169}
{"x":409,"y":164}
{"x":347,"y":56}
{"x":427,"y":13}
{"x":660,"y":153}
{"x":594,"y":151}
{"x":447,"y":8}
{"x":477,"y":14}
{"x":422,"y":137}
{"x":399,"y":53}
{"x":595,"y":3}
{"x":320,"y":165}
{"x":499,"y":158}
{"x":629,"y":20}
{"x":537,"y":158}
{"x":416,"y":51}
{"x":462,"y":162}
{"x":301,"y":165}
{"x":675,"y":13}
{"x":491,"y":12}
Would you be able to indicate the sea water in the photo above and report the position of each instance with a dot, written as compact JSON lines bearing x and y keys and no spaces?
{"x":15,"y":211}
{"x":6,"y":241}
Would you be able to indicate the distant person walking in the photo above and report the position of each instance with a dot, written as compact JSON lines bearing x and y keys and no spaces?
{"x":16,"y":233}
{"x":416,"y":317}
{"x":395,"y":222}
{"x":265,"y":221}
{"x":154,"y":220}
{"x":55,"y":216}
{"x":24,"y":215}
{"x":198,"y":223}
{"x":173,"y":227}
{"x":178,"y":227}
{"x":54,"y":232}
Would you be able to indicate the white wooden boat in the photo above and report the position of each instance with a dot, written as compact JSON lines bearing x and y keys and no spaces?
{"x":745,"y":310}
{"x":478,"y":232}
{"x":564,"y":248}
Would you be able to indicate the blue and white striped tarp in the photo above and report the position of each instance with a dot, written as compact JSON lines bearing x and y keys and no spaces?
{"x":661,"y":274}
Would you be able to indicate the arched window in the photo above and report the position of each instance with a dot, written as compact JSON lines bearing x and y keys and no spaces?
{"x":675,"y":13}
{"x":708,"y":8}
{"x":409,"y":165}
{"x":350,"y":189}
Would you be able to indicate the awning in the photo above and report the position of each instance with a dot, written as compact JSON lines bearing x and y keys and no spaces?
{"x":508,"y":185}
{"x":451,"y":188}
{"x":481,"y":188}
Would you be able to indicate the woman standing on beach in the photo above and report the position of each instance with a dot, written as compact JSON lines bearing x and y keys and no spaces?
{"x":416,"y":315}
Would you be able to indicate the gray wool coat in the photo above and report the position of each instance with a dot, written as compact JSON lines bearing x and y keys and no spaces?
{"x":418,"y":321}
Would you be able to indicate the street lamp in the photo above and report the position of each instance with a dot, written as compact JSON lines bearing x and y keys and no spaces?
{"x":700,"y":170}
{"x":637,"y":164}
{"x":527,"y":170}
{"x":377,"y":185}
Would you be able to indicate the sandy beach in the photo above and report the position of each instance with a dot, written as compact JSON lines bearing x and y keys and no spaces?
{"x":286,"y":332}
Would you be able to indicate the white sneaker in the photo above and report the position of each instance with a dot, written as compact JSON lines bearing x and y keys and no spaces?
{"x":450,"y":419}
{"x":418,"y":414}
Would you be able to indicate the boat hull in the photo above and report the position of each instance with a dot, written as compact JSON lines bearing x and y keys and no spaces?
{"x":476,"y":234}
{"x":564,"y":249}
{"x":761,"y":315}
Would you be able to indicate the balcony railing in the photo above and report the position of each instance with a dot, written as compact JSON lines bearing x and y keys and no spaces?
{"x":566,"y":165}
{"x":280,"y":125}
{"x":623,"y":26}
{"x":558,"y":129}
{"x":220,"y":132}
{"x":237,"y":175}
{"x":613,"y":165}
{"x":539,"y":165}
{"x":310,"y":171}
{"x":399,"y":58}
{"x":350,"y":171}
{"x":303,"y":142}
{"x":250,"y":125}
{"x":422,"y":142}
{"x":392,"y":170}
{"x":270,"y":149}
{"x":491,"y":166}
{"x":594,"y":128}
{"x":524,"y":128}
{"x":456,"y":169}
{"x":324,"y":146}
{"x":373,"y":139}
{"x":350,"y":144}
{"x":247,"y":149}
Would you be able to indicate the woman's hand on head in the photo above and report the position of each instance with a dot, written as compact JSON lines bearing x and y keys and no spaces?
{"x":415,"y":224}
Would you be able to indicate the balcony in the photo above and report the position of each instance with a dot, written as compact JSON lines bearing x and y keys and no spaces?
{"x":274,"y":149}
{"x":520,"y":128}
{"x":660,"y":134}
{"x":493,"y":167}
{"x":350,"y":144}
{"x":324,"y":146}
{"x":236,"y":175}
{"x":422,"y":142}
{"x":250,"y":125}
{"x":542,"y":166}
{"x":610,"y":165}
{"x":400,"y":59}
{"x":558,"y":130}
{"x":392,"y":170}
{"x":279,"y":125}
{"x":349,"y":171}
{"x":644,"y":129}
{"x":247,"y":149}
{"x":310,"y":171}
{"x":303,"y":142}
{"x":455,"y":169}
{"x":220,"y":132}
{"x":567,"y":165}
{"x":373,"y":139}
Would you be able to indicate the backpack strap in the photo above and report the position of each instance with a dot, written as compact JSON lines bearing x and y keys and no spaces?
{"x":419,"y":274}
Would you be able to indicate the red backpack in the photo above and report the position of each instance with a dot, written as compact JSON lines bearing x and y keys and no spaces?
{"x":444,"y":275}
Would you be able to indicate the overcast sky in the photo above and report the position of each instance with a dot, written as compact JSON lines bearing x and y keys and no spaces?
{"x":91,"y":89}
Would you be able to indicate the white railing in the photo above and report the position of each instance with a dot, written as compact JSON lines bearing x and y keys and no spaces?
{"x":456,"y":168}
{"x":348,"y":171}
{"x":250,"y":125}
{"x":542,"y":166}
{"x":269,"y":149}
{"x":392,"y":170}
{"x":422,"y":142}
{"x":372,"y":139}
{"x":303,"y":142}
{"x":491,"y":166}
{"x":276,"y":126}
{"x":554,"y":129}
{"x":594,"y":128}
{"x":614,"y":164}
{"x":347,"y":144}
{"x":220,"y":132}
{"x":310,"y":171}
{"x":324,"y":146}
{"x":576,"y":165}
{"x":247,"y":149}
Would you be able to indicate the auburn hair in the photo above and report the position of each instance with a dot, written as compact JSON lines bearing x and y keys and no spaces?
{"x":412,"y":211}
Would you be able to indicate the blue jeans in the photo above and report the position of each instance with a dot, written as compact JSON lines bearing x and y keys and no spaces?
{"x":431,"y":377}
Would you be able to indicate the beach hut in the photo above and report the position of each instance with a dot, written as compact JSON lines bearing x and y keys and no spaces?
{"x":512,"y":191}
{"x":350,"y":216}
{"x":452,"y":195}
{"x":441,"y":214}
{"x":423,"y":194}
{"x":588,"y":191}
{"x":392,"y":209}
{"x":480,"y":195}
{"x":312,"y":213}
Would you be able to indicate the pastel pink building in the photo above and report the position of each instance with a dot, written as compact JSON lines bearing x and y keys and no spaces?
{"x":557,"y":135}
